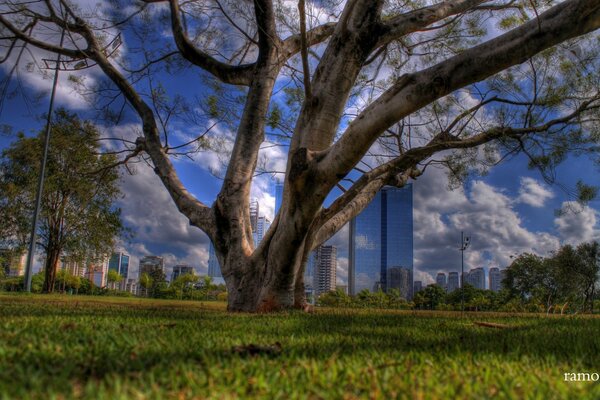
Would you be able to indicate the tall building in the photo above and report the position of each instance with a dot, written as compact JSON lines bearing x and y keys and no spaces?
{"x":151,"y":263}
{"x":325,"y":269}
{"x":119,"y":262}
{"x":262,"y":226}
{"x":440,"y":280}
{"x":476,"y":278}
{"x":417,"y":287}
{"x":495,"y":279}
{"x":452,"y":282}
{"x":254,"y":208}
{"x":181,"y":269}
{"x":400,"y":278}
{"x":98,"y":272}
{"x":12,"y":262}
{"x":278,"y":196}
{"x":214,"y":269}
{"x":73,"y":266}
{"x":381,"y":237}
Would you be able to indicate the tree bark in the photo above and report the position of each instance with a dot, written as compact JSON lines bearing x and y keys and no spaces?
{"x":51,"y":264}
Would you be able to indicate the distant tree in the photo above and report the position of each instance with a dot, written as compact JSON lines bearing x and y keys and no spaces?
{"x":158,"y":281}
{"x":430,"y":297}
{"x":77,"y":215}
{"x":183,"y":283}
{"x":335,"y":298}
{"x":146,"y":283}
{"x":588,"y":270}
{"x":113,"y":277}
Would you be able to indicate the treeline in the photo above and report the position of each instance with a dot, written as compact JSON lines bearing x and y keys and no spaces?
{"x":565,"y":282}
{"x":184,"y":287}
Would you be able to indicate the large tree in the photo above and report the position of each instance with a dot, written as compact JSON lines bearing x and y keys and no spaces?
{"x":78,"y":217}
{"x":387,"y":88}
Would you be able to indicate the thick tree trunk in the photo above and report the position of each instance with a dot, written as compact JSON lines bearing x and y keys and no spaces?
{"x":50,"y":267}
{"x":262,"y":287}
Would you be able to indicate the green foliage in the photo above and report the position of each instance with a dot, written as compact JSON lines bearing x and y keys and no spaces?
{"x":568,"y":277}
{"x":430,"y":298}
{"x":77,"y":217}
{"x":113,"y":276}
{"x":117,"y":348}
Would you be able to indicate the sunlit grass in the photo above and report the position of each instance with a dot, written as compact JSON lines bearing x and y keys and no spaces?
{"x":117,"y":348}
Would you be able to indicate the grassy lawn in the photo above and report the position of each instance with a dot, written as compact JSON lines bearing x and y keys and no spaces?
{"x":112,"y":348}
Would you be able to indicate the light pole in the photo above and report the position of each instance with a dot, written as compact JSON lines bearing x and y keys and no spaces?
{"x":70,"y":64}
{"x":464,"y":243}
{"x":40,"y":189}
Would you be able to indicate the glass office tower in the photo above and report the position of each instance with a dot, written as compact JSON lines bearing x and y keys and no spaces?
{"x":381,"y":243}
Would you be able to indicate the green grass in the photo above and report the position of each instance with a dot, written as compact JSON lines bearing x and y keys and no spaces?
{"x":54,"y":347}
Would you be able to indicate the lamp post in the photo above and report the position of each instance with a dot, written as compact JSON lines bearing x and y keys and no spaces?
{"x":69,"y":64}
{"x":464,"y":243}
{"x":40,"y":189}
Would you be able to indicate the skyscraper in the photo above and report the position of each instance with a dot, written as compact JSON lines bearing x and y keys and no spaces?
{"x":440,"y":280}
{"x":214,"y":269}
{"x":476,"y":278}
{"x":98,"y":272}
{"x":151,"y":263}
{"x":13,"y":262}
{"x":120,"y":262}
{"x":254,"y":208}
{"x":73,"y":266}
{"x":325,"y":269}
{"x":452,"y":282}
{"x":495,"y":279}
{"x":278,"y":195}
{"x":381,"y":237}
{"x":417,"y":287}
{"x":400,"y":278}
{"x":262,"y":226}
{"x":181,"y":269}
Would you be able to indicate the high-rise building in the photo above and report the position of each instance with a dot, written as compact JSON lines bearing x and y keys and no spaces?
{"x":214,"y":269}
{"x":417,"y":287}
{"x":452,"y":282}
{"x":325,"y":269}
{"x":502,"y":277}
{"x":495,"y":283}
{"x":12,"y":262}
{"x":262,"y":226}
{"x":98,"y":272}
{"x":400,"y":278}
{"x":476,"y":278}
{"x":440,"y":280}
{"x":381,"y":237}
{"x":148,"y":264}
{"x":278,"y":196}
{"x":119,"y":262}
{"x":254,"y":208}
{"x":73,"y":266}
{"x":181,"y":269}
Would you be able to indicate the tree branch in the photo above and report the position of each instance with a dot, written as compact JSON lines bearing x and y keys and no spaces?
{"x":413,"y":91}
{"x":235,"y":75}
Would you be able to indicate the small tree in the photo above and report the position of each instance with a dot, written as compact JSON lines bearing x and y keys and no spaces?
{"x":183,"y":283}
{"x":146,"y":283}
{"x":113,"y":278}
{"x":77,"y":214}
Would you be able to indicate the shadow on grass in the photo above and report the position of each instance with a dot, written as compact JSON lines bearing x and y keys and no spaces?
{"x":57,"y":346}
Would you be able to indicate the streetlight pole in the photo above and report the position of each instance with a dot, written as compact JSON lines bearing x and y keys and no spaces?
{"x":464,"y":243}
{"x":38,"y":200}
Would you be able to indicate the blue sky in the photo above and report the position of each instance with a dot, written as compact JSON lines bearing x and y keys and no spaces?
{"x":509,"y":211}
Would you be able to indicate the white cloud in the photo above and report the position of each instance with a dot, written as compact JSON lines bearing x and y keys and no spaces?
{"x":577,"y":224}
{"x":533,"y":193}
{"x":484,"y":212}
